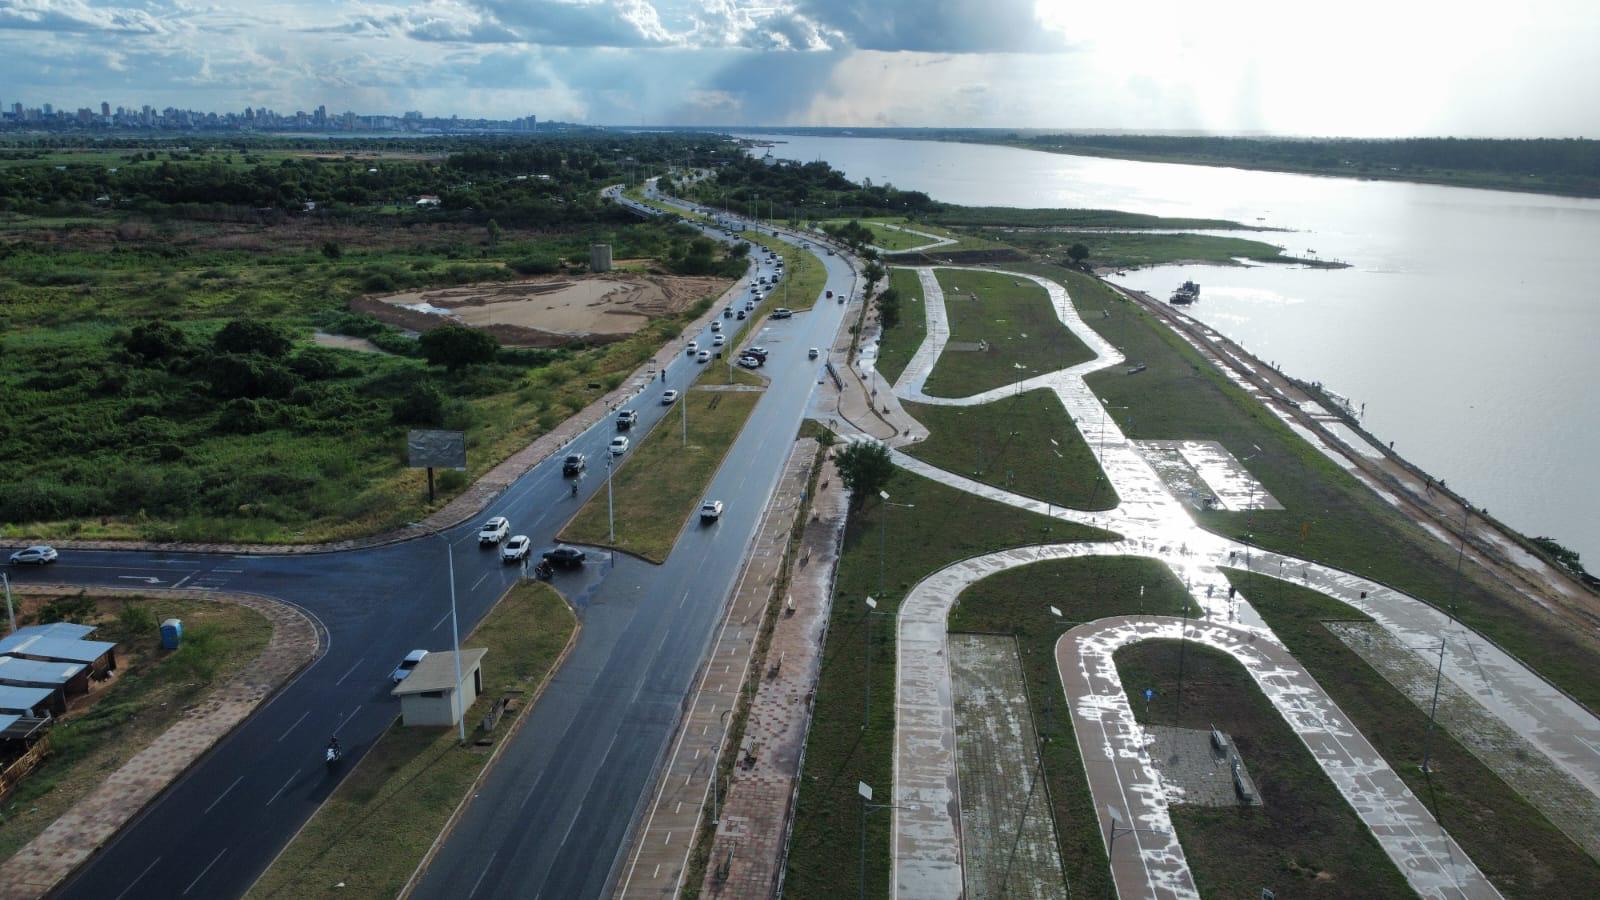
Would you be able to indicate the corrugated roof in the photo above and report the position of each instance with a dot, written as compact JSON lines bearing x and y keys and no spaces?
{"x":437,"y":672}
{"x":58,"y":629}
{"x":22,"y":699}
{"x":30,"y":671}
{"x":55,"y":647}
{"x":7,"y":720}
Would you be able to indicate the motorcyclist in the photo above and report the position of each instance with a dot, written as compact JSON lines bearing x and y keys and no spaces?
{"x":334,"y":750}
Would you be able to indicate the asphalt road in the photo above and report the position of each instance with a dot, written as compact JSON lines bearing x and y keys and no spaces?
{"x":556,"y":812}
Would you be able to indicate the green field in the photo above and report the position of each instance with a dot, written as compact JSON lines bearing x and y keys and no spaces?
{"x":825,"y":846}
{"x":1026,"y":444}
{"x":1013,"y":317}
{"x":371,"y":834}
{"x":1017,"y":602}
{"x":1304,"y":839}
{"x":661,"y":481}
{"x":1328,"y":516}
{"x":898,"y":344}
{"x":994,"y":216}
{"x":803,"y":281}
{"x":1515,"y":846}
{"x":1130,"y":250}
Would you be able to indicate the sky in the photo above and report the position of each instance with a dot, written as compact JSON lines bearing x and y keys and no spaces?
{"x":1364,"y":68}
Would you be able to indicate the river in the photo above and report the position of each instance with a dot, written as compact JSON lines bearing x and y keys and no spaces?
{"x":1468,"y":323}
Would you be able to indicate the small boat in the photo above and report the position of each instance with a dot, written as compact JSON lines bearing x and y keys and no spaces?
{"x":1187,"y":293}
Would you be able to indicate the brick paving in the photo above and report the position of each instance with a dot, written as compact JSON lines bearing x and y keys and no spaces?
{"x":80,"y":831}
{"x":751,"y":837}
{"x":658,"y":854}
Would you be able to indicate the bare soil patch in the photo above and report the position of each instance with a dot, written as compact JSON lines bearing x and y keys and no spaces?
{"x":549,"y":311}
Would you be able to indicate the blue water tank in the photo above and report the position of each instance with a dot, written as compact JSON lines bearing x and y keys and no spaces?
{"x":171,"y":634}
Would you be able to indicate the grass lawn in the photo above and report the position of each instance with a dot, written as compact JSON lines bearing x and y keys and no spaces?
{"x":1304,"y":839}
{"x":1328,"y":516}
{"x":1027,"y":444}
{"x":1017,"y":602}
{"x":804,"y":279}
{"x":149,"y":694}
{"x":373,"y":831}
{"x":660,"y":482}
{"x":1014,"y":317}
{"x":825,"y":846}
{"x":900,"y":343}
{"x":1074,"y":218}
{"x":1132,"y":250}
{"x":1520,"y":851}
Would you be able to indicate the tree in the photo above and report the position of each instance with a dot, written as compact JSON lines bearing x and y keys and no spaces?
{"x":253,"y":336}
{"x":889,"y":308}
{"x":454,"y":346}
{"x":1077,"y":253}
{"x":156,"y":340}
{"x":864,"y":467}
{"x":874,"y":273}
{"x":422,"y":405}
{"x":493,"y":229}
{"x":332,"y":250}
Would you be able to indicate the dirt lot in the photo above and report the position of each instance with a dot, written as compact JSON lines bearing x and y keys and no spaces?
{"x":547,"y":311}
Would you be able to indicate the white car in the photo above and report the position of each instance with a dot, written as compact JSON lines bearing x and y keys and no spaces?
{"x":719,"y":340}
{"x":619,"y":445}
{"x":494,"y":531}
{"x":515,"y":549}
{"x":668,"y":398}
{"x":716,"y":326}
{"x":703,"y":356}
{"x":813,"y":353}
{"x":711,"y":509}
{"x":406,"y":665}
{"x":693,"y":348}
{"x":34,"y":556}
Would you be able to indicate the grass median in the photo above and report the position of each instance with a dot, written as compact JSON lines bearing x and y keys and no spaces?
{"x":1511,"y":841}
{"x":1304,"y":839}
{"x":1002,"y":330}
{"x":898,"y":344}
{"x":371,"y":834}
{"x":661,"y":481}
{"x":840,"y":751}
{"x":804,"y":279}
{"x":1026,"y":444}
{"x":149,"y":695}
{"x":1017,"y":602}
{"x":1328,"y":515}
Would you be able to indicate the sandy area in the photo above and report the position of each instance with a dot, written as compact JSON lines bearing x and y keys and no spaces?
{"x":547,"y":311}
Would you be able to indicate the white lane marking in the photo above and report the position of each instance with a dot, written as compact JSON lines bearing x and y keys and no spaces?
{"x":294,"y":726}
{"x":351,"y":672}
{"x":203,"y":873}
{"x":221,"y":795}
{"x":285,"y":787}
{"x":180,"y":581}
{"x":481,"y":875}
{"x":442,"y":619}
{"x":346,"y":719}
{"x":136,"y":880}
{"x":480,"y":581}
{"x":147,"y":579}
{"x":230,"y":571}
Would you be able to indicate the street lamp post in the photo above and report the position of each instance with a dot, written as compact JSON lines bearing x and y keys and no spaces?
{"x":1115,"y":829}
{"x":864,"y":791}
{"x":883,"y":528}
{"x":455,"y":630}
{"x":611,"y":515}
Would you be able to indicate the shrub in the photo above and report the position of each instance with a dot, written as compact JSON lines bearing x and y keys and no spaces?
{"x":536,"y":265}
{"x":250,"y":376}
{"x":423,"y":405}
{"x":157,"y":340}
{"x":378,"y":283}
{"x":135,"y":621}
{"x":455,"y":346}
{"x":253,"y":336}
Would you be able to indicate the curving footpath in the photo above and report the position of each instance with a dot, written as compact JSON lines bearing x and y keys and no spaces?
{"x":926,"y":844}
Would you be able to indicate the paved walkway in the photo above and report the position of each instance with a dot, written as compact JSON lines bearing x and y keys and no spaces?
{"x":658,"y":855}
{"x":748,"y":851}
{"x":926,"y":838}
{"x":934,"y":243}
{"x":49,"y":858}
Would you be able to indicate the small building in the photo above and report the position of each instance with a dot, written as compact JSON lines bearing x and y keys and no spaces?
{"x":428,"y":200}
{"x":62,"y":678}
{"x":99,"y":656}
{"x":430,"y":695}
{"x":599,"y":257}
{"x":34,"y":702}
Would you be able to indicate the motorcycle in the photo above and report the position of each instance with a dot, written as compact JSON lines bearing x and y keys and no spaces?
{"x":332,"y":755}
{"x":544,"y":570}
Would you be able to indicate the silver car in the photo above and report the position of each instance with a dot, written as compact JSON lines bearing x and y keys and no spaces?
{"x":34,"y":556}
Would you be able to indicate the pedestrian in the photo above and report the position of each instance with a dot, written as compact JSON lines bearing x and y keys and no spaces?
{"x":1391,"y":445}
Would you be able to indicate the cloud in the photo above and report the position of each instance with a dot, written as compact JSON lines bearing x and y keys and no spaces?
{"x":932,"y":26}
{"x":77,"y":17}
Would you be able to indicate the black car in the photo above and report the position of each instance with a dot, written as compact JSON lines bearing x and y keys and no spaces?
{"x":574,"y":464}
{"x":564,"y":556}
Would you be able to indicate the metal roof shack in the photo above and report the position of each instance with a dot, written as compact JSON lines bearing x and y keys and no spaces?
{"x":100,"y":656}
{"x":57,"y":630}
{"x":430,"y":695}
{"x":58,"y":676}
{"x":29,"y":701}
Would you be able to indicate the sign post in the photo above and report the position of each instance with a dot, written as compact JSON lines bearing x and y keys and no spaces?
{"x":428,"y":448}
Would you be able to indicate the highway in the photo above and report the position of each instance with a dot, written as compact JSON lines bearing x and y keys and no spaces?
{"x":553,"y":818}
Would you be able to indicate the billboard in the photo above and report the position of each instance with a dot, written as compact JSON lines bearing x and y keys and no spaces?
{"x":433,"y":449}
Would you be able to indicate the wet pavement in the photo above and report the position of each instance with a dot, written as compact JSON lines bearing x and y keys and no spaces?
{"x":927,"y":849}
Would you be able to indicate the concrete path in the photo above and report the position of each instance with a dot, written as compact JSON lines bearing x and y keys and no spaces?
{"x":935,"y":241}
{"x":926,"y":835}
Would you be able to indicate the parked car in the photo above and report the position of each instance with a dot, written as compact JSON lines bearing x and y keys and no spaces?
{"x":757,"y":351}
{"x":750,"y":362}
{"x":563,"y":555}
{"x":516,"y":549}
{"x":626,"y":419}
{"x":494,"y":531}
{"x":407,"y":665}
{"x":668,"y":397}
{"x":710,"y":510}
{"x":34,"y":556}
{"x":619,"y":445}
{"x":783,"y":312}
{"x":574,"y":464}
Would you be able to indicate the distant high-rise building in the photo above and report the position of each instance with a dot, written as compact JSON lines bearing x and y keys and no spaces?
{"x":49,"y":110}
{"x":105,"y":109}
